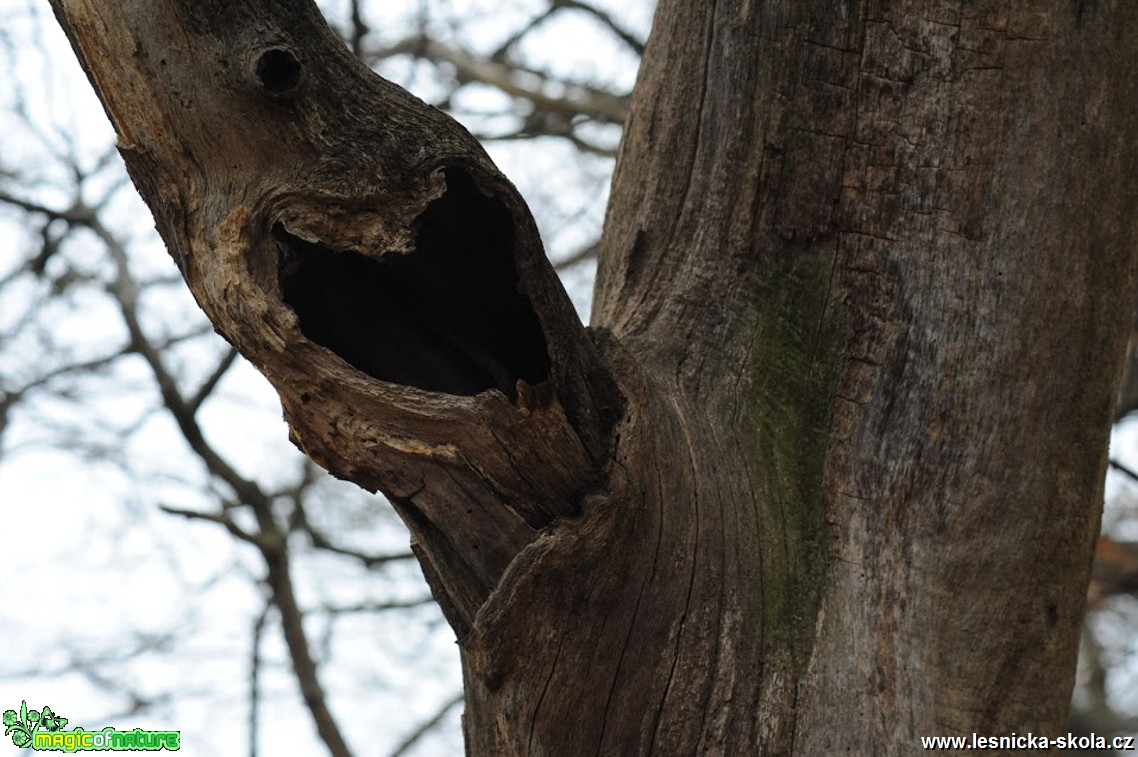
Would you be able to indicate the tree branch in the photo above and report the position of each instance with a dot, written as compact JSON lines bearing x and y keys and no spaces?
{"x":1124,"y":469}
{"x":579,"y":100}
{"x":359,"y":29}
{"x":413,"y":738}
{"x":125,"y":290}
{"x":255,"y":680}
{"x":221,"y":519}
{"x":391,"y":284}
{"x":206,"y":389}
{"x":625,"y":36}
{"x":296,"y":639}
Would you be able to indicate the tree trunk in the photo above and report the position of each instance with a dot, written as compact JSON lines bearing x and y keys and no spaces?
{"x":826,"y":471}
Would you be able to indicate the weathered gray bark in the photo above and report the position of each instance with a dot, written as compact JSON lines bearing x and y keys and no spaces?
{"x":826,"y":473}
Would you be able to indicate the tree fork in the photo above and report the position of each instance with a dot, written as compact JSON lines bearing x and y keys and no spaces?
{"x":362,"y":251}
{"x":826,"y":474}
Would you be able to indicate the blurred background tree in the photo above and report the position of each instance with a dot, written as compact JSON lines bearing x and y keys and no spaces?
{"x":146,"y":474}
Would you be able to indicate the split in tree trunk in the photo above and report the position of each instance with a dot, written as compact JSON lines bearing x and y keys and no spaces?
{"x":826,"y":472}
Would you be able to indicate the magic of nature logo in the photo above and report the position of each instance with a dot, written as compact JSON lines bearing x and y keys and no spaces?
{"x":44,"y":730}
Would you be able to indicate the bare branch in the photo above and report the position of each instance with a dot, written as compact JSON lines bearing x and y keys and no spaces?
{"x":625,"y":36}
{"x":501,"y":54}
{"x":207,"y":387}
{"x":549,"y":127}
{"x":374,"y":607}
{"x":1124,"y":469}
{"x":426,"y":726}
{"x":255,"y":680}
{"x":358,"y":31}
{"x":319,"y":541}
{"x":78,"y":214}
{"x":279,"y":581}
{"x":579,"y":100}
{"x":220,"y":518}
{"x":125,"y":290}
{"x":608,"y":21}
{"x":588,"y":252}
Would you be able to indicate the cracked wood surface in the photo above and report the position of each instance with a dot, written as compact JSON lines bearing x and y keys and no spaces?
{"x":286,"y":179}
{"x":929,"y":204}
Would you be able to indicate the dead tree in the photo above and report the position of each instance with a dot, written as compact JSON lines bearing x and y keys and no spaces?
{"x":826,"y":470}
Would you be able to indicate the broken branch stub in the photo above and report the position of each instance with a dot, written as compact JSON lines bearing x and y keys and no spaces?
{"x":360,"y":248}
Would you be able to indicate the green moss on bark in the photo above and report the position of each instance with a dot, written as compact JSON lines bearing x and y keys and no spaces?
{"x":794,"y":371}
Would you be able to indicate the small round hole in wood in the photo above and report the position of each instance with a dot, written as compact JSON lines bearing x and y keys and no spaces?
{"x":278,"y":71}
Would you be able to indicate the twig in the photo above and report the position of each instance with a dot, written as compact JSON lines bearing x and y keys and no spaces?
{"x":589,"y":252}
{"x":359,"y":30}
{"x":623,"y":34}
{"x":207,"y":387}
{"x":220,"y":518}
{"x":1124,"y":470}
{"x":255,"y":681}
{"x":303,"y":665}
{"x":426,"y":726}
{"x":579,"y":99}
{"x":373,"y":607}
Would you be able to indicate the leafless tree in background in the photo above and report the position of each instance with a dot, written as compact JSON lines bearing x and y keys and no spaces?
{"x":110,"y":376}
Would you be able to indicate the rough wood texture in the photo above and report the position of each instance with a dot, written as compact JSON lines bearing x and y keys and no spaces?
{"x":826,"y":474}
{"x":930,"y":205}
{"x":337,"y":231}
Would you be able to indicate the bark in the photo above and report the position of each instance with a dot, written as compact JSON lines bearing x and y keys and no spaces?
{"x":826,"y":472}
